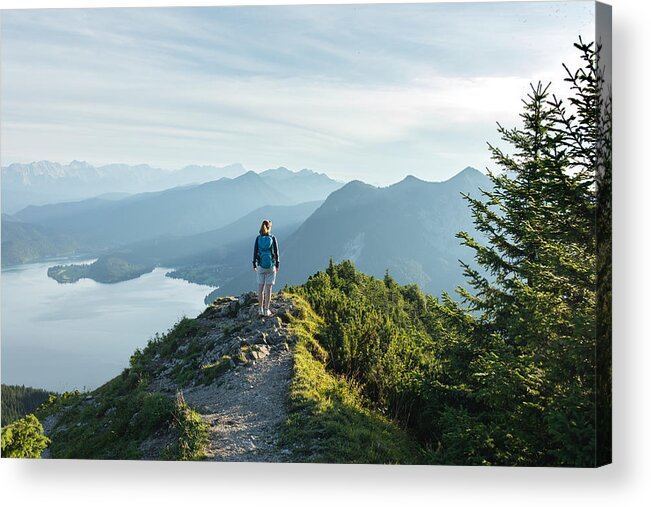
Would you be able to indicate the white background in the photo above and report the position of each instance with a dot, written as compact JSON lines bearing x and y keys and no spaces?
{"x":626,"y":482}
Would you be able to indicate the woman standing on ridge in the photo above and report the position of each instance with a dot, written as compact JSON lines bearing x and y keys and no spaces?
{"x":266,"y":261}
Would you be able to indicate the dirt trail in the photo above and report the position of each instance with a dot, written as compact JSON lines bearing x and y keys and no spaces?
{"x":248,"y":403}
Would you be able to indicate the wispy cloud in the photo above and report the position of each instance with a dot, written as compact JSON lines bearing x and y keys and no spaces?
{"x":371,"y":91}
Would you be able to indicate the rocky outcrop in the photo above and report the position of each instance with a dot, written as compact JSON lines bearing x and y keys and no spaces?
{"x":235,"y":371}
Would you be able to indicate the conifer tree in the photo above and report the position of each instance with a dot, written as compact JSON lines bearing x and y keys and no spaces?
{"x":589,"y":141}
{"x":536,"y":333}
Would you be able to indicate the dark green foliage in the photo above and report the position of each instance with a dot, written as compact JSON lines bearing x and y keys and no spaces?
{"x":24,"y":438}
{"x":535,"y":338}
{"x":467,"y":396}
{"x":590,"y":143}
{"x":18,"y":401}
{"x":375,"y":333}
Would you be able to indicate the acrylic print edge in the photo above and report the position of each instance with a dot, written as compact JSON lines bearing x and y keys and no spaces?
{"x":603,"y":38}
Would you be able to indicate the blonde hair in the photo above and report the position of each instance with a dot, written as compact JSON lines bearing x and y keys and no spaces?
{"x":265,"y":228}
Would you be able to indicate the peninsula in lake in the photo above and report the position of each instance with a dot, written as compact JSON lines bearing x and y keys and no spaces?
{"x":104,"y":270}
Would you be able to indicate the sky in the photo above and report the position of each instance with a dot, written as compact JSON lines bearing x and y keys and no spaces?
{"x":372,"y":92}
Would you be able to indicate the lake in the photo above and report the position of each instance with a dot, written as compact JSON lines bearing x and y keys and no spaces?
{"x":77,"y":336}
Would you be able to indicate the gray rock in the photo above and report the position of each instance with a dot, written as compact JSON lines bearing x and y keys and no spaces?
{"x":258,"y":338}
{"x":234,"y":349}
{"x":273,"y":322}
{"x":247,"y":298}
{"x":260,"y":352}
{"x":274,"y":337}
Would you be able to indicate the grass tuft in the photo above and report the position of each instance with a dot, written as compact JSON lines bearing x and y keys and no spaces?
{"x":192,"y":434}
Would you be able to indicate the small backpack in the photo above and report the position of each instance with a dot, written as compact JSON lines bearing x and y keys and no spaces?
{"x":264,"y":251}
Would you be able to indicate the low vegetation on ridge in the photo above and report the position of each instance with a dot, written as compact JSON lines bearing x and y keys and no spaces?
{"x":125,"y":418}
{"x":330,"y":421}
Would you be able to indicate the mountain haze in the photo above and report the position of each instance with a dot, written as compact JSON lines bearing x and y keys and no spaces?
{"x":23,"y":242}
{"x":47,"y":182}
{"x":179,"y":211}
{"x":407,"y":228}
{"x":206,"y":231}
{"x":305,"y":185}
{"x":215,"y":246}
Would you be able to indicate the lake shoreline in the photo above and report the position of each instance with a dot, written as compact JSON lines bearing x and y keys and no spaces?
{"x":63,"y":337}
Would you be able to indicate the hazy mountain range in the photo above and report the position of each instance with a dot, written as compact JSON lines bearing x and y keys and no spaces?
{"x":407,"y":228}
{"x":179,"y":211}
{"x":206,"y":231}
{"x":47,"y":182}
{"x":224,"y":246}
{"x":25,"y":242}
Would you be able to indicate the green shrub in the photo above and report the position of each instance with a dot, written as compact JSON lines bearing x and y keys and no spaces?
{"x":24,"y":438}
{"x":192,"y":434}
